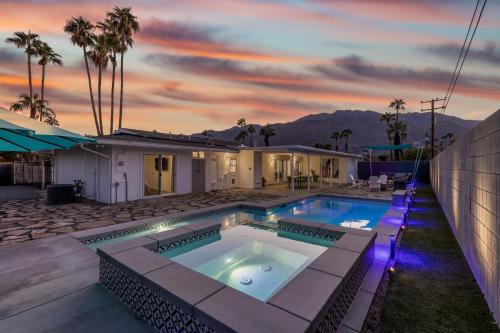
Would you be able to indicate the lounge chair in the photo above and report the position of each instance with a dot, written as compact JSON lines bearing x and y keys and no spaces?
{"x":383,"y":182}
{"x":355,"y":183}
{"x":374,"y":183}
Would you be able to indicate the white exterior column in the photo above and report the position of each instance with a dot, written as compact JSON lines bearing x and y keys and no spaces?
{"x":321,"y":172}
{"x":292,"y":172}
{"x":308,"y":172}
{"x":331,"y":172}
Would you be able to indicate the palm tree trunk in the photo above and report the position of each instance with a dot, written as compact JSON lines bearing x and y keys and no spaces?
{"x":42,"y":88}
{"x":397,"y":141}
{"x":90,"y":90}
{"x":112,"y":95}
{"x":390,"y":142}
{"x":32,"y":109}
{"x":99,"y":101}
{"x":266,"y":141}
{"x":121,"y":92}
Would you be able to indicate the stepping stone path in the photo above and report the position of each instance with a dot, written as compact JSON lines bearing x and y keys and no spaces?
{"x":24,"y":220}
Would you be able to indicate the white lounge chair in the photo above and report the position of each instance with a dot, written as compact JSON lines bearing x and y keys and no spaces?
{"x":383,"y":181}
{"x":374,"y":183}
{"x":354,"y":182}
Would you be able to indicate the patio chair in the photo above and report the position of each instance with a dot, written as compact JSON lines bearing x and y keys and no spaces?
{"x":315,"y":177}
{"x":354,"y":182}
{"x":374,"y":183}
{"x":383,"y":182}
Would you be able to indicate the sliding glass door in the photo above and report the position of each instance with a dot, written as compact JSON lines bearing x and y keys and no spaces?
{"x":158,"y":173}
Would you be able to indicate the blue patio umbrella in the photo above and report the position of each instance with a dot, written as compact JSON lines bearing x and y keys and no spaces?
{"x":23,"y":134}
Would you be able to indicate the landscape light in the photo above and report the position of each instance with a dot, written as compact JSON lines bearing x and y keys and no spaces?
{"x":393,"y":246}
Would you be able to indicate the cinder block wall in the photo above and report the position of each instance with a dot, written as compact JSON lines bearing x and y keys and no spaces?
{"x":466,"y":180}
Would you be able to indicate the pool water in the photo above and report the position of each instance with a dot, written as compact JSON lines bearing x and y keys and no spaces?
{"x":347,"y":212}
{"x":352,"y":213}
{"x":253,"y":260}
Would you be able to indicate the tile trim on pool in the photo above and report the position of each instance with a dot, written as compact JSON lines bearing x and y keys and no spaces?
{"x":129,"y":279}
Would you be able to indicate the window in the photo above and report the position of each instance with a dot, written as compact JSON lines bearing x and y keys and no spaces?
{"x":232,"y":165}
{"x":158,"y":175}
{"x":199,"y":154}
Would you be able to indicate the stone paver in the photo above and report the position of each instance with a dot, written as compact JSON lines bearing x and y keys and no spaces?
{"x":24,"y":220}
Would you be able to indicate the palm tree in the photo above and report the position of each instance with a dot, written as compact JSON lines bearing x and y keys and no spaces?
{"x":113,"y":43}
{"x":400,"y":133}
{"x":206,"y":133}
{"x":267,"y":131}
{"x":241,"y":136}
{"x":251,"y":131}
{"x":242,"y":124}
{"x":398,"y":104}
{"x":47,"y":56}
{"x":80,"y":30}
{"x":99,"y":55}
{"x":26,"y":41}
{"x":388,"y":117}
{"x":24,"y":102}
{"x":52,"y":121}
{"x":125,"y":25}
{"x":41,"y":107}
{"x":336,"y":136}
{"x":345,"y":133}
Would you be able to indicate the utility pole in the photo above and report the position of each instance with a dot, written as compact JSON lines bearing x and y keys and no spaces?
{"x":433,"y":118}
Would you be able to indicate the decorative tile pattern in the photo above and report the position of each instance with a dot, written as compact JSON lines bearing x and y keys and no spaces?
{"x":146,"y":303}
{"x":160,"y":225}
{"x":333,"y":317}
{"x":296,"y":229}
{"x":188,"y":240}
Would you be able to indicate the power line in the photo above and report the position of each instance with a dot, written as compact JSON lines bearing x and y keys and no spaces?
{"x":455,"y":77}
{"x":463,"y":47}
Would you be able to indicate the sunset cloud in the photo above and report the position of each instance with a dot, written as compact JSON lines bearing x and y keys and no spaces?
{"x":198,"y":41}
{"x":357,"y":69}
{"x":199,"y":64}
{"x":489,"y":54}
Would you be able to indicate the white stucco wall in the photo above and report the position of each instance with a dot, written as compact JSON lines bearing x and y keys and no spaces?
{"x":94,"y":170}
{"x":133,"y":158}
{"x":466,"y":180}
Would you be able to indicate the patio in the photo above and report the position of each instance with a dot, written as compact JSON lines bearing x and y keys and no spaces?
{"x":59,"y":275}
{"x":24,"y":220}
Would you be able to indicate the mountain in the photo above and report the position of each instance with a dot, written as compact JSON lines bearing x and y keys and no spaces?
{"x":366,"y":127}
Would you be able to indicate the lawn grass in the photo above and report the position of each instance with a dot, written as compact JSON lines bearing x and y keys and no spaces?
{"x":432,"y":289}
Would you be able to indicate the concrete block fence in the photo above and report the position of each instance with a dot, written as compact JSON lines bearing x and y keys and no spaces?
{"x":466,"y":180}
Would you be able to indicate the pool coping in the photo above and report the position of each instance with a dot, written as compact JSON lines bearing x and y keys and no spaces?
{"x":319,"y":309}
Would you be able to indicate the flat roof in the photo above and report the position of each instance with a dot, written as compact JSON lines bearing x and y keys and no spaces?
{"x":152,"y":139}
{"x":300,"y":150}
{"x":132,"y":137}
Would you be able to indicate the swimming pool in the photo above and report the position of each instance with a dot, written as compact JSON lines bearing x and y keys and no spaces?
{"x":346,"y":212}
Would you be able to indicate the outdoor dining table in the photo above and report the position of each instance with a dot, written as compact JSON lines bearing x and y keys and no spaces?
{"x":300,"y":181}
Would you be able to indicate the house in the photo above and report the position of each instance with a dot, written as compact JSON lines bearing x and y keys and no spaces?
{"x":134,"y":164}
